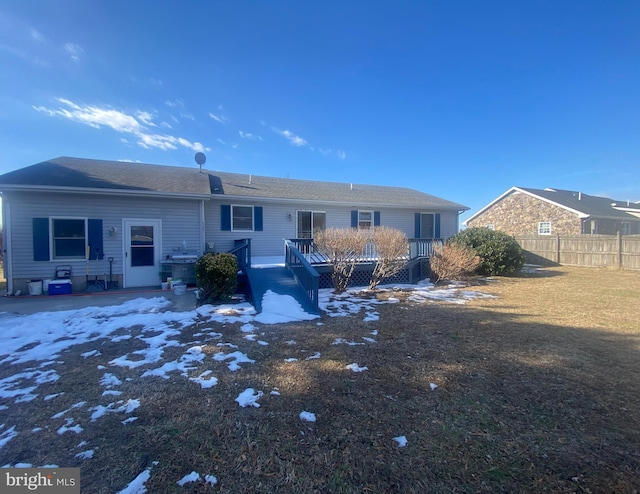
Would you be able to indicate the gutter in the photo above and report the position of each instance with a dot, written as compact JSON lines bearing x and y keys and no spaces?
{"x":110,"y":192}
{"x":224,"y":197}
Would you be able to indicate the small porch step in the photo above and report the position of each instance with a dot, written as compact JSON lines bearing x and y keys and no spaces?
{"x":279,"y":280}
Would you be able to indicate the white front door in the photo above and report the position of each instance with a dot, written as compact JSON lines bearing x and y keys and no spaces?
{"x":142,"y":250}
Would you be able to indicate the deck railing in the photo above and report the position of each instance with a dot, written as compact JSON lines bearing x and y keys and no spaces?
{"x":304,"y":273}
{"x":418,"y":248}
{"x":242,"y":251}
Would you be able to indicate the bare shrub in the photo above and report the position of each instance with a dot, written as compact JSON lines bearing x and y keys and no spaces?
{"x":392,"y":248}
{"x":342,"y":247}
{"x":453,"y":262}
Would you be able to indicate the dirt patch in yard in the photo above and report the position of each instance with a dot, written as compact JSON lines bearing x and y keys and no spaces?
{"x":535,"y":390}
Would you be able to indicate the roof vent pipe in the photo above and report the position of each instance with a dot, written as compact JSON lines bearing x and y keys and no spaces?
{"x":249,"y":178}
{"x":579,"y":196}
{"x":350,"y":186}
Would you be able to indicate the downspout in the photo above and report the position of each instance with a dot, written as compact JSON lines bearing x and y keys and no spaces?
{"x":203,"y":235}
{"x":6,"y":242}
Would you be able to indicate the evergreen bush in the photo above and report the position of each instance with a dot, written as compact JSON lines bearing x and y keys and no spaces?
{"x":216,"y":276}
{"x":499,"y":252}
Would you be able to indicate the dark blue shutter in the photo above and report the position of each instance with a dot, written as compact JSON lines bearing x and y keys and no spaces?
{"x":225,"y":217}
{"x":41,"y":239}
{"x":437,"y":226}
{"x":417,"y":223}
{"x":376,"y":218}
{"x":257,"y":218}
{"x":354,"y":219}
{"x":94,"y":232}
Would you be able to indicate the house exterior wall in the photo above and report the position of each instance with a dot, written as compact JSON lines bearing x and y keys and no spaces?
{"x":277,"y":226}
{"x":180,"y":221}
{"x":519,"y":214}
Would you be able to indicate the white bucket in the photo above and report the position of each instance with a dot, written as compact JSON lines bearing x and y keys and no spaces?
{"x":179,"y":289}
{"x":165,"y":285}
{"x":35,"y":287}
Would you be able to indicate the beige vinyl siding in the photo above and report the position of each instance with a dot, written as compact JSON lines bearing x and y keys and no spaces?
{"x":180,"y":221}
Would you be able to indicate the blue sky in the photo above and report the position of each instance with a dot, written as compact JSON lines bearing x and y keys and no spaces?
{"x":460,"y":99}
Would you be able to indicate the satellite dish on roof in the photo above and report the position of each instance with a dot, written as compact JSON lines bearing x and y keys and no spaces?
{"x":200,"y":159}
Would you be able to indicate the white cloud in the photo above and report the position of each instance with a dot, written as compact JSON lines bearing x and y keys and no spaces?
{"x":219,"y":118}
{"x":35,"y":34}
{"x":248,"y":135}
{"x":340,"y":154}
{"x":135,"y":125}
{"x":293,"y":139}
{"x":221,"y":142}
{"x":146,"y":118}
{"x":74,"y":51}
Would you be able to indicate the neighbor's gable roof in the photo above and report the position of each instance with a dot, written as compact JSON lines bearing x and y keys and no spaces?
{"x":115,"y":177}
{"x":82,"y":175}
{"x":251,"y":186}
{"x":578,"y":203}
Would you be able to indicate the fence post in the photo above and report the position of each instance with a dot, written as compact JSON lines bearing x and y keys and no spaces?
{"x":619,"y":249}
{"x":558,"y":249}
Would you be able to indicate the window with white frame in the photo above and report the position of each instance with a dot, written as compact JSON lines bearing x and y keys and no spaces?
{"x":69,"y":238}
{"x":242,"y":218}
{"x":625,"y":228}
{"x":310,"y":223}
{"x":544,"y":228}
{"x":365,"y":219}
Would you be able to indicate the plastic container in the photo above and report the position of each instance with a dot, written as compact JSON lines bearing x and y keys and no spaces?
{"x":165,"y":285}
{"x":35,"y":287}
{"x":45,"y":286}
{"x":179,"y":288}
{"x":60,"y":287}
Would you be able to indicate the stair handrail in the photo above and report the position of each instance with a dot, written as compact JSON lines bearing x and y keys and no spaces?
{"x":303,"y":272}
{"x":242,"y":251}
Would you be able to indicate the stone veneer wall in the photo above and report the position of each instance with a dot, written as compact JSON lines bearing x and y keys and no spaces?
{"x":519,"y":214}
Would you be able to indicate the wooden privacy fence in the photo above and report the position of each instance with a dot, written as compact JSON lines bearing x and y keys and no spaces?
{"x":618,"y":251}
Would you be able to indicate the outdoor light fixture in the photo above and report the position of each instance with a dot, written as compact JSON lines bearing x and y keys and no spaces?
{"x":112,"y":231}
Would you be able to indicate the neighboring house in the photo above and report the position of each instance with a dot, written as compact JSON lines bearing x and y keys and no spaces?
{"x":131,"y":217}
{"x":525,"y":211}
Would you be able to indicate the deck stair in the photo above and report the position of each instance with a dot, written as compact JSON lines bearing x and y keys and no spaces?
{"x":279,"y":280}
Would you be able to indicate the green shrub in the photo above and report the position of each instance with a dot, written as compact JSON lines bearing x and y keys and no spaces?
{"x":500,"y":254}
{"x":216,"y":276}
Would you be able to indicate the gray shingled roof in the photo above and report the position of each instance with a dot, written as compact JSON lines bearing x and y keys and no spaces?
{"x":234,"y":184}
{"x":74,"y":173}
{"x":589,"y":205}
{"x":66,"y":173}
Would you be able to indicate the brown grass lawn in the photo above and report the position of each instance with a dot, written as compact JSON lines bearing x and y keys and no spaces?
{"x":538,"y":391}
